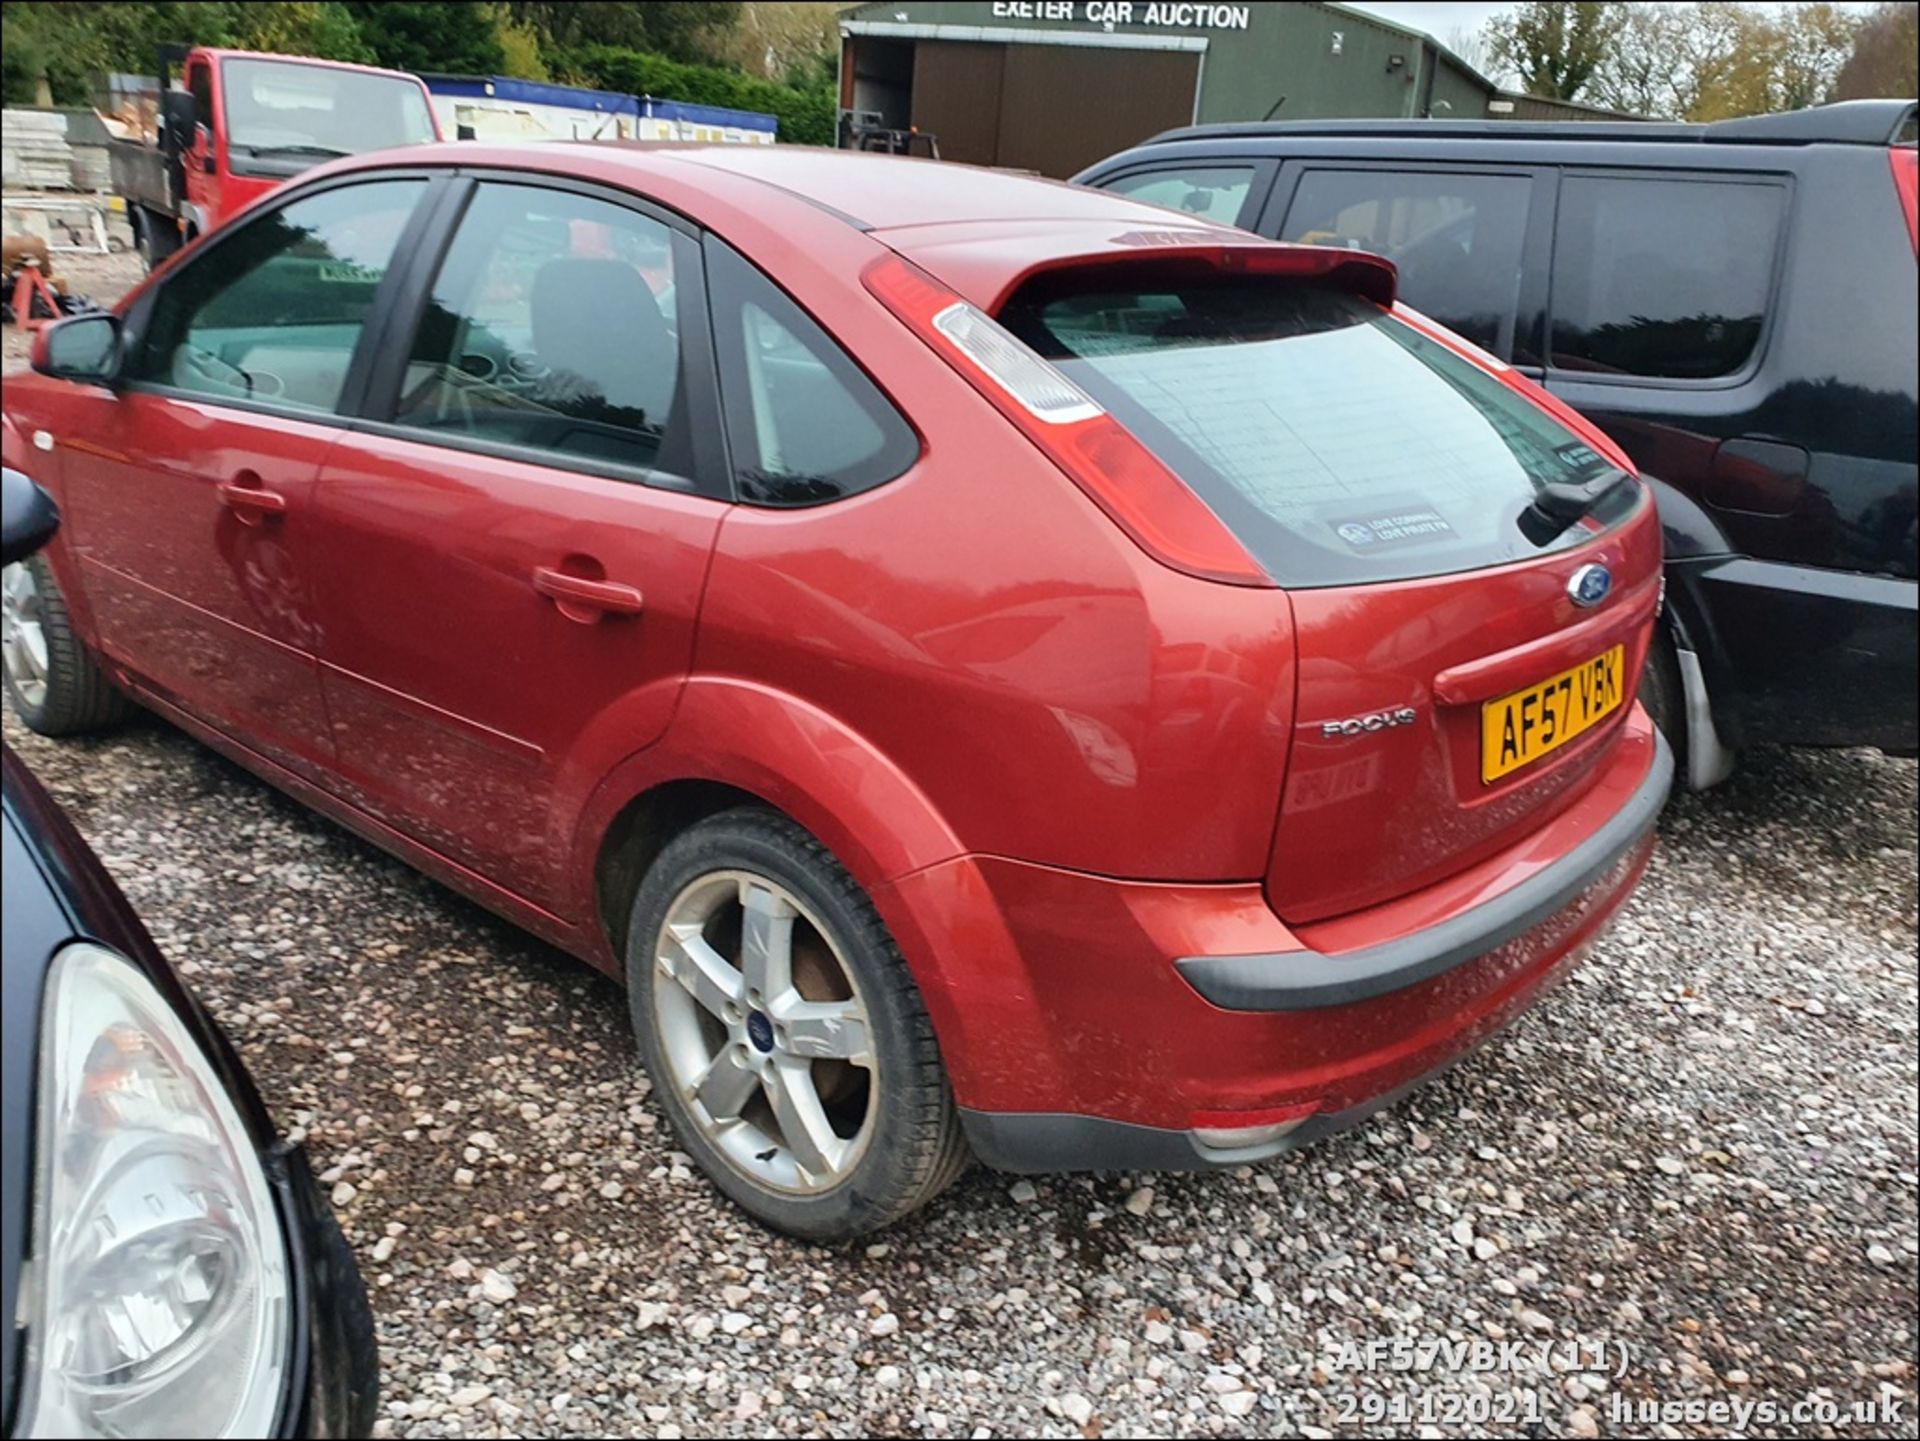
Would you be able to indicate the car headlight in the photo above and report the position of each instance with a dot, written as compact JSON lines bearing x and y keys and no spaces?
{"x":159,"y":1299}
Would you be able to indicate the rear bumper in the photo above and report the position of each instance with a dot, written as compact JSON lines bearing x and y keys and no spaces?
{"x":1038,"y":1143}
{"x":1080,"y":1035}
{"x":1306,"y":981}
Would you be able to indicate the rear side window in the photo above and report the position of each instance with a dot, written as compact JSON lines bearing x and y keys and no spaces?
{"x":1664,"y":278}
{"x":1456,"y":239}
{"x":1339,"y":445}
{"x":273,"y":312}
{"x":804,"y":422}
{"x":1219,"y":192}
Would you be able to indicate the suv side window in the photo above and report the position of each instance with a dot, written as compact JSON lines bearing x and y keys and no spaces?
{"x":804,"y":422}
{"x":273,"y":312}
{"x":1219,"y":192}
{"x":1456,"y":238}
{"x":1662,"y":277}
{"x":552,"y":325}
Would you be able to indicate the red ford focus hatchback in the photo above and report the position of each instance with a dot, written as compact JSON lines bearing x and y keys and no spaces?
{"x":1001,"y":669}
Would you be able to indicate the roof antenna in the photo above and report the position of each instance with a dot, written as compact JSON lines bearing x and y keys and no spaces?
{"x":1275,"y":110}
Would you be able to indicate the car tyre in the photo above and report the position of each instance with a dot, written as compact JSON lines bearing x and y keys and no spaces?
{"x":720,"y":881}
{"x":1665,"y":698}
{"x":56,"y":686}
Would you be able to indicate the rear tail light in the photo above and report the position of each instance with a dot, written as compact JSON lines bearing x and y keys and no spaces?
{"x":1906,"y":181}
{"x":1045,"y":392}
{"x":1119,"y":474}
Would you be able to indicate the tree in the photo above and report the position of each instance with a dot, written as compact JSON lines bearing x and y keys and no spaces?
{"x":1719,"y":59}
{"x":790,"y":41}
{"x":1885,"y":57}
{"x":430,"y":35}
{"x":1730,"y":53}
{"x":1556,"y":47}
{"x":1647,"y":73}
{"x":307,"y":27}
{"x":1476,"y":48}
{"x":520,"y":50}
{"x":1815,"y":40}
{"x":685,"y":30}
{"x":68,"y":44}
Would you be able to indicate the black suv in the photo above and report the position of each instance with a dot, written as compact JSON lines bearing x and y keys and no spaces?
{"x":1733,"y":302}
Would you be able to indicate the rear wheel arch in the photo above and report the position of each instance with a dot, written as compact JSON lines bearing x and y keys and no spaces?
{"x":639,"y":831}
{"x":750,"y":744}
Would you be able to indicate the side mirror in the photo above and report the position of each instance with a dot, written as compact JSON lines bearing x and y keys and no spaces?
{"x":179,"y":114}
{"x":28,"y":517}
{"x":81,"y":347}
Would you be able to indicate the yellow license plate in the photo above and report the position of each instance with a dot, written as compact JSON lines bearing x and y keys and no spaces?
{"x":1518,"y":729}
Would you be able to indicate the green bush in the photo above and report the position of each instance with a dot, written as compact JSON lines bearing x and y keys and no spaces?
{"x":807,"y":117}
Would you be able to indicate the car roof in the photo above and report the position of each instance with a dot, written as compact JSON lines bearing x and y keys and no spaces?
{"x":887,"y":192}
{"x":1850,"y":122}
{"x":978,"y":231}
{"x":866,"y":191}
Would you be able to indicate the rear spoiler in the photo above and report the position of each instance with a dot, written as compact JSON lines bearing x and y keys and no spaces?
{"x":1372,"y":277}
{"x":987,"y":264}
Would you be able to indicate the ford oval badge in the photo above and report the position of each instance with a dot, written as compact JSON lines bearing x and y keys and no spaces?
{"x":1589,"y":585}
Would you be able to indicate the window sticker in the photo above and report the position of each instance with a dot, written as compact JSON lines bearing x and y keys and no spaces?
{"x":1398,"y":527}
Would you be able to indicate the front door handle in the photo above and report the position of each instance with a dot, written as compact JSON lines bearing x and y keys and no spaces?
{"x":252,"y":503}
{"x":585,"y":600}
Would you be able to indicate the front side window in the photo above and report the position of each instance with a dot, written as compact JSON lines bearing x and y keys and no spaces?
{"x":1337,"y":443}
{"x":552,"y":325}
{"x":1661,"y":277}
{"x":1219,"y":192}
{"x":1455,"y":239}
{"x":804,"y":422}
{"x":278,"y":112}
{"x":273,"y":312}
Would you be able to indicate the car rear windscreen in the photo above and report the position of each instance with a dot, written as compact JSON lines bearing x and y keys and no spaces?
{"x":1340,"y":445}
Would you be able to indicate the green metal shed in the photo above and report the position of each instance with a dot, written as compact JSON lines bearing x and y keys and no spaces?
{"x":1053,"y":85}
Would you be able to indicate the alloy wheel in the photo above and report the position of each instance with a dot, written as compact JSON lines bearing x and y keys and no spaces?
{"x":23,"y":636}
{"x":764,"y":1032}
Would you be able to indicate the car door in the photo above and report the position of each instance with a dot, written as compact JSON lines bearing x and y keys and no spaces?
{"x":1663,"y":293}
{"x":200,"y":163}
{"x":190,"y":482}
{"x":516,"y":536}
{"x":1469,"y":242}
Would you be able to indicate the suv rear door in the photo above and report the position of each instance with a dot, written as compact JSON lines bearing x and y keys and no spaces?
{"x":1470,"y":241}
{"x":1746,"y":333}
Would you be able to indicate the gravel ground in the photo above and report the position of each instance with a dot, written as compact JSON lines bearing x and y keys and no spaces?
{"x":1699,"y":1156}
{"x":1702,"y":1149}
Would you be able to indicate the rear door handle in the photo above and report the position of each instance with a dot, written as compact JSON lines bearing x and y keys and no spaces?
{"x":253,"y":503}
{"x":586,"y":600}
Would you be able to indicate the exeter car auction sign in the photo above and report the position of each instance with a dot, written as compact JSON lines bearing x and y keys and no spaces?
{"x":1124,"y":12}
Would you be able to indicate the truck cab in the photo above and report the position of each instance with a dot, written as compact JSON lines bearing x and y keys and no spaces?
{"x":240,"y":122}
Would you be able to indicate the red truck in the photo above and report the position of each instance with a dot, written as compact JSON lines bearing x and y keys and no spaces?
{"x":241,"y":122}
